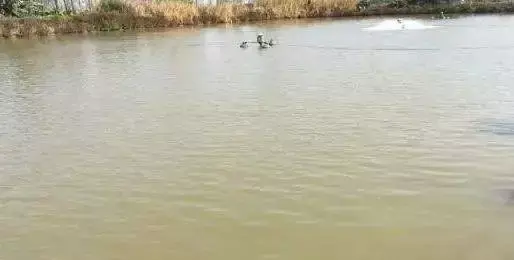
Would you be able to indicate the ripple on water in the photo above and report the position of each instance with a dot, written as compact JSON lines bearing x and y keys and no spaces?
{"x":134,"y":147}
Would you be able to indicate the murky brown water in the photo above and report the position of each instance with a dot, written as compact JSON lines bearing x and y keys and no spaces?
{"x":338,"y":143}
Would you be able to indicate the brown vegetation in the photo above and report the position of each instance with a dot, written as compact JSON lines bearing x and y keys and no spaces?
{"x":118,"y":15}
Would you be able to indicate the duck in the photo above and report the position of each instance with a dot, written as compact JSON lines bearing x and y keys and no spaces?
{"x":244,"y":44}
{"x":440,"y":16}
{"x":271,"y":43}
{"x":264,"y":45}
{"x":259,"y":38}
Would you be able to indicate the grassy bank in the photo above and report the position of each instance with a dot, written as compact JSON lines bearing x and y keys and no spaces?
{"x":466,"y":8}
{"x":117,"y":15}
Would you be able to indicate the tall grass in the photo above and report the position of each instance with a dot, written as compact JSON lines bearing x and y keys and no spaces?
{"x":277,"y":9}
{"x":122,"y":14}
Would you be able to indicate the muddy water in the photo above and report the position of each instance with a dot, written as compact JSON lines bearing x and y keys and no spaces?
{"x":337,"y":143}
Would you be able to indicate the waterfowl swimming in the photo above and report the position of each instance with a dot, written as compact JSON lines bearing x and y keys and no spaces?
{"x":244,"y":44}
{"x":271,"y":43}
{"x":264,"y":45}
{"x":259,"y":38}
{"x":400,"y":21}
{"x":440,"y":16}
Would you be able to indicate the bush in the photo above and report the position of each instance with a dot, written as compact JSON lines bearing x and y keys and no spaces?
{"x":22,"y":8}
{"x":119,"y":6}
{"x":363,"y":4}
{"x":398,"y":4}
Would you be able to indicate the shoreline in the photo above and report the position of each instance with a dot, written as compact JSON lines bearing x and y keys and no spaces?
{"x":101,"y":21}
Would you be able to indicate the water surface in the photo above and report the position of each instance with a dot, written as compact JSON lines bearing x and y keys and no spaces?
{"x":337,"y":143}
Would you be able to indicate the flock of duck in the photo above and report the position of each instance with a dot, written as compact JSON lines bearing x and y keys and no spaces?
{"x":267,"y":44}
{"x":262,"y":44}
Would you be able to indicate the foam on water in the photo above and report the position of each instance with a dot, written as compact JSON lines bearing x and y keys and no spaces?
{"x":393,"y":24}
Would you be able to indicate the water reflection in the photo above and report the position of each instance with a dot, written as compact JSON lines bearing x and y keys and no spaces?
{"x":502,"y":128}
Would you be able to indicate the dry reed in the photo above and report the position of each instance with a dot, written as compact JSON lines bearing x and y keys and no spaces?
{"x":118,"y":15}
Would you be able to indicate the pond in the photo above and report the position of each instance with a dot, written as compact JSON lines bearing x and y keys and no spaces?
{"x":339,"y":142}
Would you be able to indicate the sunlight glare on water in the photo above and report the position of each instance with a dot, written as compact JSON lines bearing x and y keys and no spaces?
{"x":402,"y":24}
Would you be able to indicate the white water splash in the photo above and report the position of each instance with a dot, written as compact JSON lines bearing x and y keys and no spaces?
{"x":393,"y":25}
